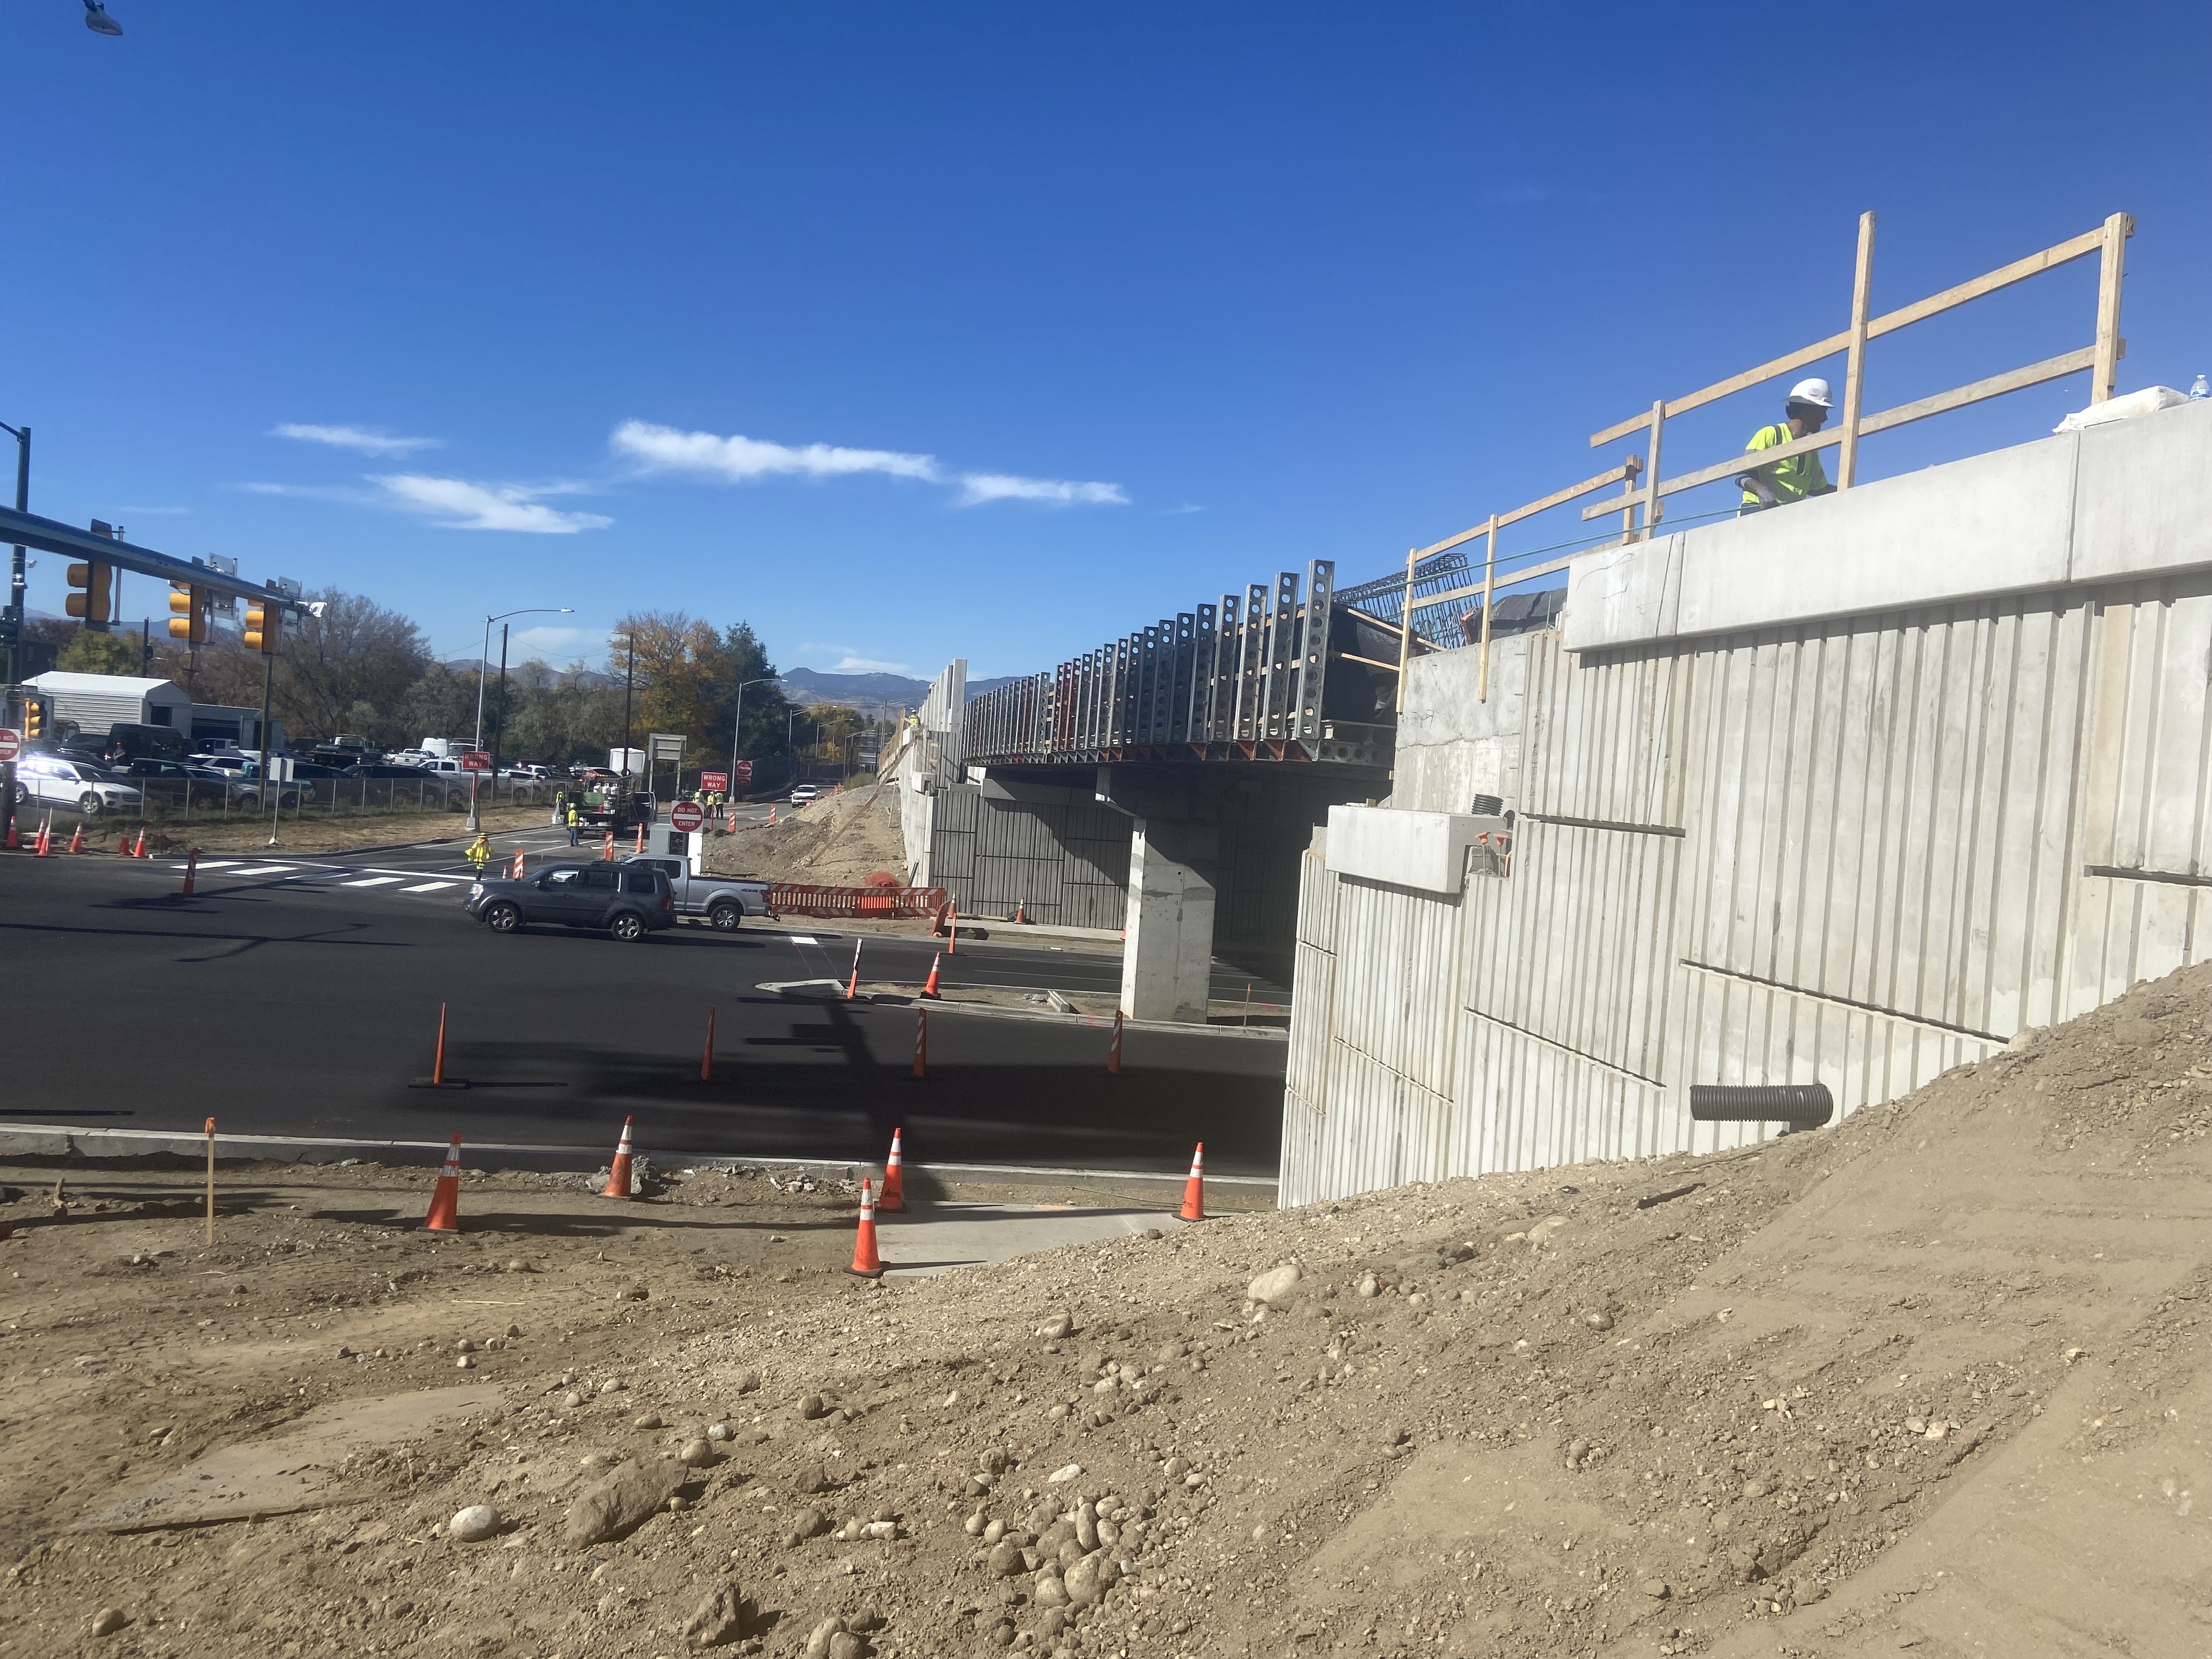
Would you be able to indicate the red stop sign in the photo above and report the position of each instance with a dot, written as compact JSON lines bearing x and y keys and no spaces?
{"x":686,"y":817}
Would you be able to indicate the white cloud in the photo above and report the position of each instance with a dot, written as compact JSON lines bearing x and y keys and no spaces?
{"x":468,"y":506}
{"x":313,"y":492}
{"x":977,"y":488}
{"x":153,"y":511}
{"x":852,"y":665}
{"x":352,"y":437}
{"x":552,"y":642}
{"x":740,"y":459}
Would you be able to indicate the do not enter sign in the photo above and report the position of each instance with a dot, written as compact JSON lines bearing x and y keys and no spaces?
{"x":10,"y":743}
{"x":686,"y":817}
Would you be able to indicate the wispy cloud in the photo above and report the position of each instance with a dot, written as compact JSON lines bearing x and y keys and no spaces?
{"x":847,"y":659}
{"x":352,"y":437}
{"x":352,"y":494}
{"x":466,"y":505}
{"x":740,"y":459}
{"x":977,"y":488}
{"x":530,"y":642}
{"x":152,"y":512}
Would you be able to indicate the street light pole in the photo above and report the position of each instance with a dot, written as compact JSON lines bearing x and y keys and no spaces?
{"x":738,"y":726}
{"x":14,"y":610}
{"x":483,"y":668}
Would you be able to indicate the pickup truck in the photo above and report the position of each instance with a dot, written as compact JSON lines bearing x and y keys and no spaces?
{"x":725,"y":900}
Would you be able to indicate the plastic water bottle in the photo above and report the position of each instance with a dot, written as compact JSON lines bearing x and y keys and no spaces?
{"x":2202,"y":389}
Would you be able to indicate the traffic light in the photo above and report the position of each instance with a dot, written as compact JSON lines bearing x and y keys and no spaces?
{"x":191,"y":606}
{"x":34,"y":716}
{"x":94,"y":602}
{"x":264,"y":617}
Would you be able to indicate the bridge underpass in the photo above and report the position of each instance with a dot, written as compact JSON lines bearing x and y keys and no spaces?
{"x":1167,"y":783}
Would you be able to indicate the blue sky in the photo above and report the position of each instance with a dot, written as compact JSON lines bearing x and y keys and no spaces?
{"x":908,"y":332}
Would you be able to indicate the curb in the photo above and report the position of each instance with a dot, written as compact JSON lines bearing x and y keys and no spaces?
{"x":830,"y":990}
{"x":66,"y":1140}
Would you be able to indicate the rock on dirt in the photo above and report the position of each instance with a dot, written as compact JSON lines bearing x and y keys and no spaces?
{"x":1274,"y":1286}
{"x":475,"y":1524}
{"x":622,"y":1501}
{"x":108,"y":1620}
{"x":719,"y":1619}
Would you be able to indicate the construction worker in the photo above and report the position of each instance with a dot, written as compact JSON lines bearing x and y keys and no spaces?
{"x":575,"y":825}
{"x":1797,"y":476}
{"x":480,"y":852}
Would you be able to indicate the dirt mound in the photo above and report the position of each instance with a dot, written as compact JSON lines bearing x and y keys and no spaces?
{"x":838,"y":841}
{"x":1935,"y":1380}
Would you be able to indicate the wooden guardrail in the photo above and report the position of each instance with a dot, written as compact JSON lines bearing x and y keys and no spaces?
{"x":1646,"y":489}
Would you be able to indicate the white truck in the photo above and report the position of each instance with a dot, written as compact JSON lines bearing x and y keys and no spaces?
{"x":724,"y":901}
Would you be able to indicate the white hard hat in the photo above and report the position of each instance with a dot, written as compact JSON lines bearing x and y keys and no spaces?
{"x":1814,"y":392}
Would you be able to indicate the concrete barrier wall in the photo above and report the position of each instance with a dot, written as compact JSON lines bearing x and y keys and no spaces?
{"x":1855,"y":845}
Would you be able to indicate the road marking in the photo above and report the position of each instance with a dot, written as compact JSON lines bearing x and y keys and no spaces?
{"x":264,"y":870}
{"x":801,"y":939}
{"x":217,"y":864}
{"x":427,"y":887}
{"x":373,"y":881}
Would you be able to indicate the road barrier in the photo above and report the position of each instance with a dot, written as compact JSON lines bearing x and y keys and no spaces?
{"x":859,"y":903}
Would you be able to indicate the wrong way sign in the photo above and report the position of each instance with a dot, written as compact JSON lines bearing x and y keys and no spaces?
{"x":686,"y":817}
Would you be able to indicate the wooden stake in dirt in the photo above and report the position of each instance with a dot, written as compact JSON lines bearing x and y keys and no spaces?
{"x":210,"y":1183}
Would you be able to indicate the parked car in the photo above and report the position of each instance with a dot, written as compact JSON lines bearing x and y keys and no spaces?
{"x":171,"y":783}
{"x":385,"y":769}
{"x":54,"y":780}
{"x":627,"y":904}
{"x":725,"y":900}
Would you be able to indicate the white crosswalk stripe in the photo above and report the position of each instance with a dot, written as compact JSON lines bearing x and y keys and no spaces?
{"x":264,"y":869}
{"x":373,"y":881}
{"x":431,"y":887}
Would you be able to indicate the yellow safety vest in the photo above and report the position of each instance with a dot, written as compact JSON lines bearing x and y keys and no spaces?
{"x":1792,"y":478}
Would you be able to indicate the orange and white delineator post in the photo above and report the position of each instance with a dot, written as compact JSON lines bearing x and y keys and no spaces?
{"x":607,"y":850}
{"x":641,"y":838}
{"x":515,"y":874}
{"x":921,"y":1063}
{"x":1114,"y":1047}
{"x":894,"y":1196}
{"x":853,"y":984}
{"x":1194,"y":1188}
{"x":445,"y":1215}
{"x":865,"y":1263}
{"x":621,"y":1181}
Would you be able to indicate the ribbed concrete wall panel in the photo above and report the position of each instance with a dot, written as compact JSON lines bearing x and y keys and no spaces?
{"x":1402,"y":1006}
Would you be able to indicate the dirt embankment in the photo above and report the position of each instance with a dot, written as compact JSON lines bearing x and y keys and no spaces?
{"x":838,"y":841}
{"x":1933,"y":1381}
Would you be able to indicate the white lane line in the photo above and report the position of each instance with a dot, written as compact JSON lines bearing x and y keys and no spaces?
{"x":218,"y":864}
{"x":375,"y":881}
{"x":801,"y":939}
{"x":429,"y":887}
{"x":264,"y":869}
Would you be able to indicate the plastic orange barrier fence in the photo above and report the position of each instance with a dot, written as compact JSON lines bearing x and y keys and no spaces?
{"x":880,"y":904}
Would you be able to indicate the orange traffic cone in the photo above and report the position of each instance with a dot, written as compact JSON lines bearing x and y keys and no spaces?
{"x":77,"y":837}
{"x":1193,"y":1189}
{"x":866,"y":1262}
{"x":1021,"y":912}
{"x":139,"y":851}
{"x":894,"y":1196}
{"x":853,"y":984}
{"x":641,"y":838}
{"x":191,"y":869}
{"x":707,"y":1059}
{"x":445,"y":1215}
{"x":620,"y":1181}
{"x":14,"y":836}
{"x":929,"y":988}
{"x":44,"y":846}
{"x":1114,"y":1047}
{"x":122,"y":844}
{"x":515,"y":874}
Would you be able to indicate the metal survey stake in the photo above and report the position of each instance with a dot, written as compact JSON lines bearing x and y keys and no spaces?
{"x":210,"y":1183}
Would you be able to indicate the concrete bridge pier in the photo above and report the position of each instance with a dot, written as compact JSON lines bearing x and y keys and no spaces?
{"x":1167,"y":965}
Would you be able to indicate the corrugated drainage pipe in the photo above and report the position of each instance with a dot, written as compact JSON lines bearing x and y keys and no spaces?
{"x":1801,"y":1105}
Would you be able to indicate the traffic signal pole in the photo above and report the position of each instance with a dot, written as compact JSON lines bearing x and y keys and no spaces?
{"x":268,"y":686}
{"x":14,"y":613}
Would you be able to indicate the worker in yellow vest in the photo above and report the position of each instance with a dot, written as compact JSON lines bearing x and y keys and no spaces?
{"x":1795,"y":477}
{"x":479,"y":853}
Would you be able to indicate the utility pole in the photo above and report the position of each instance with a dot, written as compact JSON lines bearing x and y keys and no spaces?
{"x":629,"y":680}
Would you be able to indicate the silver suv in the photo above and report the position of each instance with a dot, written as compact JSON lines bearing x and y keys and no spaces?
{"x":53,"y":782}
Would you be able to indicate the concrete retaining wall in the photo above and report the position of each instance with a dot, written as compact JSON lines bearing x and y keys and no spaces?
{"x":1770,"y":833}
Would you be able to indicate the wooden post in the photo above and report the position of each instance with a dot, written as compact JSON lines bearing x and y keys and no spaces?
{"x":2103,"y":376}
{"x":1635,"y":465}
{"x":1651,"y":470}
{"x":1847,"y":457}
{"x":1489,"y":581}
{"x":210,"y":1183}
{"x":1406,"y":627}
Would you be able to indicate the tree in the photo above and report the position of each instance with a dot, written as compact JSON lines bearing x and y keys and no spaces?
{"x":687,"y":680}
{"x":90,"y":651}
{"x":352,"y":665}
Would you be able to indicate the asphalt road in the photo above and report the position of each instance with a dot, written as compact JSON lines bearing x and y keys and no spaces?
{"x":301,"y":997}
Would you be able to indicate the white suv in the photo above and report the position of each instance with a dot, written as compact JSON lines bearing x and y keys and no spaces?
{"x":53,"y":782}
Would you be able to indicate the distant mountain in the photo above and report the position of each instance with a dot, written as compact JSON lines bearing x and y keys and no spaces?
{"x":869,"y":691}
